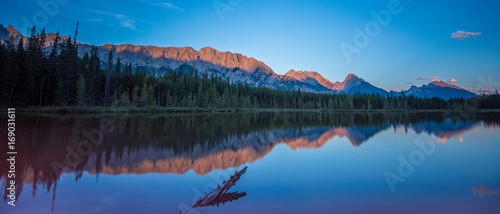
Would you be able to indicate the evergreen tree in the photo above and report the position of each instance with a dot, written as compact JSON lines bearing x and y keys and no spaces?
{"x":124,"y":98}
{"x":80,"y":91}
{"x":109,"y":71}
{"x":135,"y":96}
{"x":59,"y":95}
{"x":201,"y":102}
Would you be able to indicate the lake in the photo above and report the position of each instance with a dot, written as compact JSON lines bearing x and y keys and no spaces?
{"x":296,"y":162}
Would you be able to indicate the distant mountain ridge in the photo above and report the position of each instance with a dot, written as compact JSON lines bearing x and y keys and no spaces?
{"x":236,"y":67}
{"x":350,"y":85}
{"x":439,"y":89}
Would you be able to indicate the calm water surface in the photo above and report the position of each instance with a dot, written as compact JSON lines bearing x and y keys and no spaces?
{"x":297,"y":163}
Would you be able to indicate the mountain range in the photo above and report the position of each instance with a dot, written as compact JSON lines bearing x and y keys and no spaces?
{"x":439,"y":89}
{"x":236,"y":67}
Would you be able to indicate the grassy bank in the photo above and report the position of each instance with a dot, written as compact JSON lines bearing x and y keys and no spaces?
{"x":102,"y":109}
{"x":201,"y":110}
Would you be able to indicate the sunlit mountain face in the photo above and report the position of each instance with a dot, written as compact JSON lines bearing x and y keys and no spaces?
{"x":177,"y":144}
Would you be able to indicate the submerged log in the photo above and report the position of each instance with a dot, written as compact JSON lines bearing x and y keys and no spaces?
{"x":219,"y":195}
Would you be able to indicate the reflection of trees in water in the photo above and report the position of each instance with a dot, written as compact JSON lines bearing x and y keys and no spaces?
{"x":42,"y":140}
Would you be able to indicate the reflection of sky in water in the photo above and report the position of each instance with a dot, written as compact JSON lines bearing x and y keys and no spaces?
{"x":461,"y":176}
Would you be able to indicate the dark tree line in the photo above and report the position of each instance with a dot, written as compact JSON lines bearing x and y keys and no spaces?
{"x":57,"y":76}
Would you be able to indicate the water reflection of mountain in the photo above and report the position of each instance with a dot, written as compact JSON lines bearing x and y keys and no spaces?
{"x":233,"y":151}
{"x":202,"y":143}
{"x":443,"y":130}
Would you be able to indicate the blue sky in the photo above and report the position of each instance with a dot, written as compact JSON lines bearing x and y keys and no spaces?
{"x":303,"y":35}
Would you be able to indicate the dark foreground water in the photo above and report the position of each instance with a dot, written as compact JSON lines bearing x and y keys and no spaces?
{"x":297,"y":163}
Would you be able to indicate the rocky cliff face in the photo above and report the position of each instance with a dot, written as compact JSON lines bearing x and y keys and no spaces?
{"x":172,"y":57}
{"x":7,"y":32}
{"x":232,"y":66}
{"x":350,"y":85}
{"x":314,"y":78}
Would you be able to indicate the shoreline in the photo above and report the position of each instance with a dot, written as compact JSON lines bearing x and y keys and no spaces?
{"x":69,"y":110}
